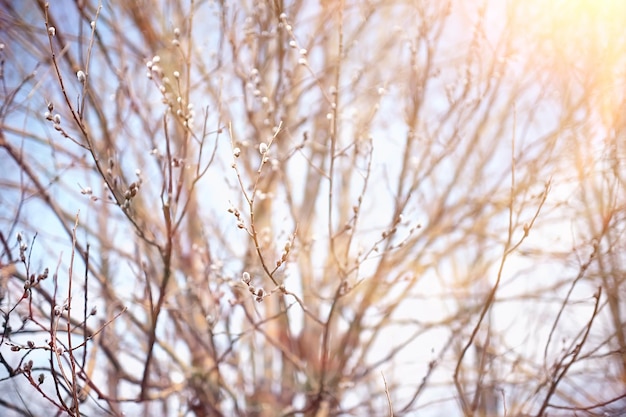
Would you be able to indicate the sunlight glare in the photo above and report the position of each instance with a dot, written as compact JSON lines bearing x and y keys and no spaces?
{"x":584,"y":39}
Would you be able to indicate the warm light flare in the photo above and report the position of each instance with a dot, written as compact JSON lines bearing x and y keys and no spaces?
{"x":582,"y":41}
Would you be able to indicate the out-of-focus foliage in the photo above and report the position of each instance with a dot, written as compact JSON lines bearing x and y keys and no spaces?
{"x":275,"y":208}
